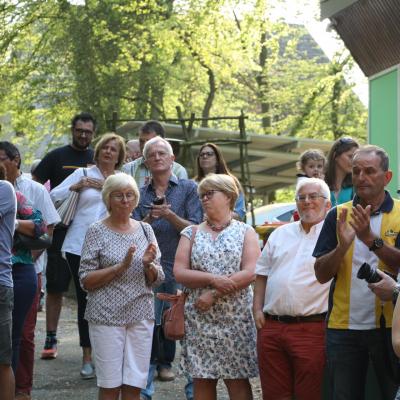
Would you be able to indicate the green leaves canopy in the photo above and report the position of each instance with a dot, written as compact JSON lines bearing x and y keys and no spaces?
{"x":144,"y":58}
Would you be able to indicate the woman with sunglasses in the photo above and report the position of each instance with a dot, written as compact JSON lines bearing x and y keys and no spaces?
{"x":211,"y":161}
{"x":216,"y":263}
{"x":339,"y":168}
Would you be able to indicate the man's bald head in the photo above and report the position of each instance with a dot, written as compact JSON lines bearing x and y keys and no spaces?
{"x":132,"y":150}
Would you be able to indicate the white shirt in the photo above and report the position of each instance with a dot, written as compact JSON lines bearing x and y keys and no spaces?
{"x":287,"y":261}
{"x":362,"y":301}
{"x":40,"y":199}
{"x":90,"y":208}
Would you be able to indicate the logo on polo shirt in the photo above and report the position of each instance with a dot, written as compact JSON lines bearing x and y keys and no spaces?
{"x":391,"y":233}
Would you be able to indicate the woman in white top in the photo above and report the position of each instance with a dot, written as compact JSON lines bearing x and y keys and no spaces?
{"x":109,"y":156}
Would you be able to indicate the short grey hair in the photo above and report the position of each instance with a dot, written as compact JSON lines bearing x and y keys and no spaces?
{"x":118,"y":182}
{"x":323,"y":187}
{"x":155,"y":140}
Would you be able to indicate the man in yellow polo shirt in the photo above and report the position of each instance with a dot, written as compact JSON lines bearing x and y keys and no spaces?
{"x":363,"y":230}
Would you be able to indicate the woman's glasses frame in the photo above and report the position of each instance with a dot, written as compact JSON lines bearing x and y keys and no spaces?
{"x":206,"y":154}
{"x":208,"y":194}
{"x":120,"y":196}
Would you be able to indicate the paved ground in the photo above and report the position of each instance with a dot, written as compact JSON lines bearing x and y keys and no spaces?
{"x":59,"y":379}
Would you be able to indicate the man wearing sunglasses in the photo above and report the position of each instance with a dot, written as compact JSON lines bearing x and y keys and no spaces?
{"x":364,"y":230}
{"x":57,"y":165}
{"x":290,"y":305}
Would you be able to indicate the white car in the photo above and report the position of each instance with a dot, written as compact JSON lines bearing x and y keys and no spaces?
{"x":272,"y":213}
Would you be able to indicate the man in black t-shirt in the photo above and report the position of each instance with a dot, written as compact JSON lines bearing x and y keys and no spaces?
{"x":56,"y":166}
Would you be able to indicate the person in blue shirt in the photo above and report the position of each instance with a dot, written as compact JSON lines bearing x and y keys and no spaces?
{"x":338,"y":170}
{"x":210,"y":160}
{"x":169,"y":205}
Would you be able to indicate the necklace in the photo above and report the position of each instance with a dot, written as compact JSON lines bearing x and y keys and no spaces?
{"x":217,"y":228}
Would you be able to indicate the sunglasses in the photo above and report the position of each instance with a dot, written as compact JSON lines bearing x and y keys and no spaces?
{"x":346,"y":140}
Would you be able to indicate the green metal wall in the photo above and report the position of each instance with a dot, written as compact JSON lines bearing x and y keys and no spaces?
{"x":384,"y":119}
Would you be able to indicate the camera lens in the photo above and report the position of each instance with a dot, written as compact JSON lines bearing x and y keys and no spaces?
{"x":368,"y":273}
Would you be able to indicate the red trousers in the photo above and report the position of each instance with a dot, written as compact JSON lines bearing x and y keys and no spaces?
{"x":24,"y":374}
{"x":291,"y":358}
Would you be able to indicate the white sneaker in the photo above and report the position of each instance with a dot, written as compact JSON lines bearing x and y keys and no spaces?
{"x":87,"y":371}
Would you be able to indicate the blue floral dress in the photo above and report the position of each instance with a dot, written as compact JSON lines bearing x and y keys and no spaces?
{"x":220,"y":343}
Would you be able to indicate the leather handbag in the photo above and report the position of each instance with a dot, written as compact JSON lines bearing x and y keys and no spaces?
{"x":174,"y":317}
{"x":30,"y":243}
{"x":67,"y":209}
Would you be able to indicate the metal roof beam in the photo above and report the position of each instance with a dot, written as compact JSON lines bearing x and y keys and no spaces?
{"x":236,"y":163}
{"x":271,"y":188}
{"x":275,"y":170}
{"x":286,"y":146}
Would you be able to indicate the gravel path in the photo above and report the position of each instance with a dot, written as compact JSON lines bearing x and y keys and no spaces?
{"x":59,"y":378}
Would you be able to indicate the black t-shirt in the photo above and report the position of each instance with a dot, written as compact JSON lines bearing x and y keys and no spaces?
{"x":60,"y":163}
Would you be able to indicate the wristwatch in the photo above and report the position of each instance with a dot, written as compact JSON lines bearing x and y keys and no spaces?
{"x":376,"y":244}
{"x":395,"y":294}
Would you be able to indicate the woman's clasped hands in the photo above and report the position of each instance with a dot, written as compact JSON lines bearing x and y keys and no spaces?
{"x":86,"y":183}
{"x":222,"y":285}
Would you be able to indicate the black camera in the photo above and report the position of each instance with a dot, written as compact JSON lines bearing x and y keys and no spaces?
{"x":159,"y":200}
{"x":368,"y":273}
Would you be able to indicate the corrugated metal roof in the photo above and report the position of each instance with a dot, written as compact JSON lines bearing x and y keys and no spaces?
{"x":272,"y":159}
{"x":370,"y":29}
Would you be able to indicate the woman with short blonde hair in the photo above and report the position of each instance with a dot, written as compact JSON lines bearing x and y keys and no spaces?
{"x":114,"y":183}
{"x":120,"y":142}
{"x":216,"y":262}
{"x":119,"y":265}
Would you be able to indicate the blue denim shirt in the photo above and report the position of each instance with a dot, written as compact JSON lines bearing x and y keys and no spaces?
{"x":184,"y":200}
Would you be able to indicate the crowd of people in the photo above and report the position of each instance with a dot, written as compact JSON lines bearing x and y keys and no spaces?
{"x":316,"y":303}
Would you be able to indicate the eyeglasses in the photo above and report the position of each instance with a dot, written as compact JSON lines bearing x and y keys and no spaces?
{"x":81,"y":132}
{"x":206,"y":154}
{"x":209,"y":194}
{"x":301,"y":198}
{"x":121,"y":196}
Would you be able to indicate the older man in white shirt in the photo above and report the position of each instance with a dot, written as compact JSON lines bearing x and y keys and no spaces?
{"x":290,"y":310}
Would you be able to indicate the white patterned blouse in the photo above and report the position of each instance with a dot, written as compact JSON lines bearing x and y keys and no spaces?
{"x":127,"y":298}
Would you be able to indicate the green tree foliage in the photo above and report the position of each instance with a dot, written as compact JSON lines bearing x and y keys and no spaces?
{"x":144,"y":58}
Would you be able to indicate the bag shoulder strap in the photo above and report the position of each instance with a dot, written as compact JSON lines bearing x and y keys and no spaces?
{"x":84,"y":171}
{"x":144,"y":231}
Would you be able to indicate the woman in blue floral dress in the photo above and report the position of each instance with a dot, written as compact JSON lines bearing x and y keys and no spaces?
{"x":218,"y":268}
